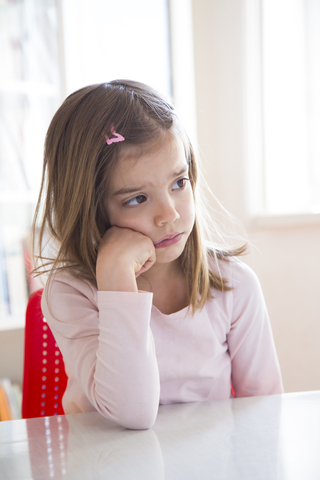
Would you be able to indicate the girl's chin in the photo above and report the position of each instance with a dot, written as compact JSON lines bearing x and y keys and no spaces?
{"x":168,"y":255}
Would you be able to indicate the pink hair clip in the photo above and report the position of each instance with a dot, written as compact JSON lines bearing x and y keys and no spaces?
{"x":117,"y":138}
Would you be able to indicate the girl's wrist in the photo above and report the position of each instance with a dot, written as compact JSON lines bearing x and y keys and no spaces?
{"x":116,"y":279}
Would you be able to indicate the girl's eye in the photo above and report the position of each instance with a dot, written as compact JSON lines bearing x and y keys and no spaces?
{"x":180,"y":184}
{"x":136,"y":200}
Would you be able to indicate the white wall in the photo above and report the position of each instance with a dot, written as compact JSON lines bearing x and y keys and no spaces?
{"x":288,"y":264}
{"x":287,"y":258}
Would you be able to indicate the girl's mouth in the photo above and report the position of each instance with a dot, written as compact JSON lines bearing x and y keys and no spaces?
{"x":168,"y":240}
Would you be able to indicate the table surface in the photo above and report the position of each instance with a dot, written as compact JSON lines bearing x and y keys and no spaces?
{"x":273,"y":437}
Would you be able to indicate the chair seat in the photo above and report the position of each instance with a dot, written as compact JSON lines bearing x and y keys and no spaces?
{"x":44,"y":377}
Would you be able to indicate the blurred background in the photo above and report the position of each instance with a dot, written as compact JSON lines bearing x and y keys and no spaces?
{"x":244,"y":76}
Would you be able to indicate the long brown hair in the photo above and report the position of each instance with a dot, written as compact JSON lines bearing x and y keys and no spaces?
{"x":78,"y":165}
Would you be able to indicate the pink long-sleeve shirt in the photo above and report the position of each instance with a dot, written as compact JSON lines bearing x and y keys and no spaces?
{"x":123,"y":356}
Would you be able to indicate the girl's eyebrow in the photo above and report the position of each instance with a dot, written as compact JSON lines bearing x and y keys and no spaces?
{"x":125,"y":191}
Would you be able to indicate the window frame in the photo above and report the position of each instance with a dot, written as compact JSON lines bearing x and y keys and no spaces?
{"x":253,"y":129}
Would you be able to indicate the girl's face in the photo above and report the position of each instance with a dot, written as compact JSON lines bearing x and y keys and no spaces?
{"x":150,"y":193}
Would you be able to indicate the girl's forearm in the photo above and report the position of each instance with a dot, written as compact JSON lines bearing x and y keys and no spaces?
{"x":114,"y":277}
{"x":108,"y":347}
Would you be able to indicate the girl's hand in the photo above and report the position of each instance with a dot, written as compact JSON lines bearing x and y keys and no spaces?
{"x":123,"y":255}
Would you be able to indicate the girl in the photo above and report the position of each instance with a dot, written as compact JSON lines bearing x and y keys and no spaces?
{"x":143,"y":308}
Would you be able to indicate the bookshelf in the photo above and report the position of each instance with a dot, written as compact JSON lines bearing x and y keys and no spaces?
{"x":30,"y":93}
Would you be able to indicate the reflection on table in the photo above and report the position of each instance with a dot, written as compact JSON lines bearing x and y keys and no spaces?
{"x":275,"y":437}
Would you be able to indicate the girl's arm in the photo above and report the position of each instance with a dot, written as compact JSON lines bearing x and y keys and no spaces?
{"x":255,"y":366}
{"x":106,"y":343}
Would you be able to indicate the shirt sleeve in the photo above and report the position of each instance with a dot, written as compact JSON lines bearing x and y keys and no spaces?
{"x":254,"y":363}
{"x":107,"y":344}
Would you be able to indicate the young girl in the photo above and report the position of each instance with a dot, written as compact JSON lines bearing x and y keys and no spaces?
{"x":143,"y":308}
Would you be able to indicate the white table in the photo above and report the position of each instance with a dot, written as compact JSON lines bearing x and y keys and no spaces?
{"x":275,"y":437}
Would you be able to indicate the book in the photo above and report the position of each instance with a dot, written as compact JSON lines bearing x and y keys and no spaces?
{"x":14,"y":288}
{"x":4,"y":290}
{"x":4,"y":406}
{"x":10,"y":400}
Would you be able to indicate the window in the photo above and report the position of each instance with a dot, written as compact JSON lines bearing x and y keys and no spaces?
{"x":283,"y":78}
{"x":105,"y":39}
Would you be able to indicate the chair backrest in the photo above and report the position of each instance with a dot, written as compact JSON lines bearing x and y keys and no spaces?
{"x":44,"y":376}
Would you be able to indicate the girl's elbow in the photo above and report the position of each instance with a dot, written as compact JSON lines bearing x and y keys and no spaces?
{"x":138,"y":420}
{"x":139,"y":424}
{"x":141,"y":411}
{"x":135,"y":409}
{"x":133,"y":417}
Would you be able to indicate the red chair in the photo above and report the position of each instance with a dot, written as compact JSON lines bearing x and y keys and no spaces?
{"x":44,"y":376}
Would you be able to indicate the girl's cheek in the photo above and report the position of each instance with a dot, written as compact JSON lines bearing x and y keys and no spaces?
{"x":133,"y":220}
{"x":188,"y":206}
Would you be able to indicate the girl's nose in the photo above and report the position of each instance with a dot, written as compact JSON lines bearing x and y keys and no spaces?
{"x":166,"y":213}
